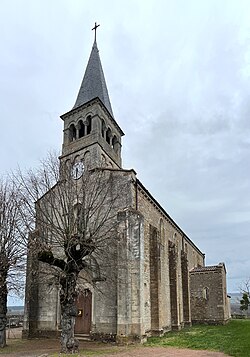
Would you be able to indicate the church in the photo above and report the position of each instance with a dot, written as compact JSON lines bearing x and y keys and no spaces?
{"x":162,"y":283}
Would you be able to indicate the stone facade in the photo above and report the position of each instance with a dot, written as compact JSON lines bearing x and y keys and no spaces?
{"x":160,"y":282}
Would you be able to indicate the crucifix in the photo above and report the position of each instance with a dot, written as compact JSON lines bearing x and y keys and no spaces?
{"x":95,"y":28}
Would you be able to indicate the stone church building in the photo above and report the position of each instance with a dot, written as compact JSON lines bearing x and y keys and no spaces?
{"x":163,"y":282}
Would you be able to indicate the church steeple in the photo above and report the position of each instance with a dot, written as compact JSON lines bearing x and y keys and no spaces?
{"x":91,"y":133}
{"x":93,"y":83}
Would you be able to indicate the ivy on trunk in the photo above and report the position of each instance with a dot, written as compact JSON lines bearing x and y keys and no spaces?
{"x":3,"y":308}
{"x":12,"y":246}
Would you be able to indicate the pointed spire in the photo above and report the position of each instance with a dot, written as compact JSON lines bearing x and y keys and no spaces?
{"x":93,"y":83}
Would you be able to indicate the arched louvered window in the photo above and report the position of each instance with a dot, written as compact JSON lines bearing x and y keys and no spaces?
{"x":72,"y":132}
{"x":88,"y":124}
{"x":114,"y":142}
{"x":108,"y":136}
{"x":103,"y":128}
{"x":81,"y":129}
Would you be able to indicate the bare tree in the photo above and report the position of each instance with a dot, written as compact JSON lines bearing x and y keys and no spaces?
{"x":75,"y":220}
{"x":12,"y":247}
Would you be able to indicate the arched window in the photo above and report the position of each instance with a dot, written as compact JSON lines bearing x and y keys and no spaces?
{"x":72,"y":132}
{"x":81,"y":129}
{"x":114,"y":143}
{"x":87,"y":159}
{"x":205,"y":293}
{"x":88,"y":125}
{"x":108,"y":136}
{"x":103,"y":128}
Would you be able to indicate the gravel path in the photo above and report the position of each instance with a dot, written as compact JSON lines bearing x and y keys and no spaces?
{"x":128,"y":352}
{"x":165,"y":352}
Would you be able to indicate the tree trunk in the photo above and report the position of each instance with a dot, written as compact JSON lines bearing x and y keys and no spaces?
{"x":3,"y":311}
{"x":69,"y":311}
{"x":2,"y":332}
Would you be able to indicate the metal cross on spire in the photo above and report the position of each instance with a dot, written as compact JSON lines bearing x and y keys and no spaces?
{"x":95,"y":28}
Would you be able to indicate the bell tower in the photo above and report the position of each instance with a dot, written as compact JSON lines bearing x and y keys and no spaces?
{"x":91,"y":134}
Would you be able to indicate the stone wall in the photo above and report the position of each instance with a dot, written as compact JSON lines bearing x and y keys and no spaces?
{"x":130,"y":297}
{"x":155,"y":272}
{"x":166,"y":266}
{"x":173,"y":275}
{"x":185,"y":289}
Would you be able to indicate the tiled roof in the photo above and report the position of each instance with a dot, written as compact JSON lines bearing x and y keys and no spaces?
{"x":93,"y":83}
{"x":207,"y":268}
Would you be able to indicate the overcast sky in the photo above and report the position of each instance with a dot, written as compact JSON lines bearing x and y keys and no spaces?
{"x":178,"y":74}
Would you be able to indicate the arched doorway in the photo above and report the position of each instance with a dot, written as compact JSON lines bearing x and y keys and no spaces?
{"x":84,"y":306}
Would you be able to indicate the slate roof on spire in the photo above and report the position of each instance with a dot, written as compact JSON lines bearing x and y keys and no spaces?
{"x":93,"y":83}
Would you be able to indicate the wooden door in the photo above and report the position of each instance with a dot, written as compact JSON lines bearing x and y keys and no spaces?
{"x":84,"y":306}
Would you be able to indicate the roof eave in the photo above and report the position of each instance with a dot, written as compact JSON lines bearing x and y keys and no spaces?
{"x":90,"y":102}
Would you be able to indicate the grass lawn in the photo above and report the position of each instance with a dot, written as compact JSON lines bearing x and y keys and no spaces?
{"x":232,"y":339}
